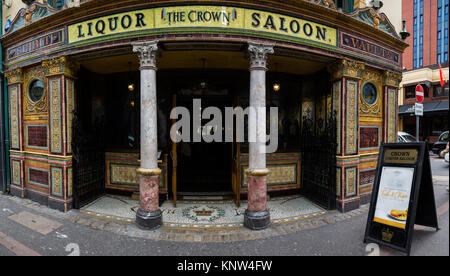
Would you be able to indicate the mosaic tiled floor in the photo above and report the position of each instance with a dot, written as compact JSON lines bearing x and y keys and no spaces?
{"x":204,"y":214}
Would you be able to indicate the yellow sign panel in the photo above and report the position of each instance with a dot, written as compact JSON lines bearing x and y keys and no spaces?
{"x":401,"y":156}
{"x":214,"y":17}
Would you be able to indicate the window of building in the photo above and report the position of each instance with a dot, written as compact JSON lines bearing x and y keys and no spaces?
{"x":442,"y":31}
{"x":410,"y":91}
{"x":418,"y":34}
{"x":370,"y":94}
{"x":439,"y":91}
{"x":36,"y":91}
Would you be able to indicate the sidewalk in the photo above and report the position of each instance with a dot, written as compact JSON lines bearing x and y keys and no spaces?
{"x":26,"y":228}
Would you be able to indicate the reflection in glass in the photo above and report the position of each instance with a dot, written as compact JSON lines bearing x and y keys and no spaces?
{"x":36,"y":91}
{"x":369,"y":93}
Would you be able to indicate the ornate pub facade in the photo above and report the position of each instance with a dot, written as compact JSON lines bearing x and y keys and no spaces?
{"x":91,"y":88}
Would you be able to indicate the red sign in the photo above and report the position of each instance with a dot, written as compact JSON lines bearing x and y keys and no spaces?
{"x":419,"y":93}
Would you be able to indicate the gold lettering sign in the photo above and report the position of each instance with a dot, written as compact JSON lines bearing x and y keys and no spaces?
{"x":401,"y":156}
{"x":205,"y":18}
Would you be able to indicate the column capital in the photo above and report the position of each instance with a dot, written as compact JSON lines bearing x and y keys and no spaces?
{"x":346,"y":68}
{"x":391,"y":78}
{"x":258,"y":54}
{"x":14,"y":76}
{"x":61,"y":65}
{"x":147,"y":52}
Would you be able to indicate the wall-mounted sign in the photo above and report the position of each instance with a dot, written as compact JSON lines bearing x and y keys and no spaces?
{"x":181,"y":18}
{"x":402,"y":196}
{"x":39,"y":43}
{"x":363,"y":46}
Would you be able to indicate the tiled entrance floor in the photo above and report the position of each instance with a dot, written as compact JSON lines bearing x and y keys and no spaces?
{"x":203,"y":214}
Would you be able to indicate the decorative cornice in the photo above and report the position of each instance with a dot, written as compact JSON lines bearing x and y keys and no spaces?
{"x":306,"y":8}
{"x":147,"y":53}
{"x":346,"y":68}
{"x":60,"y":66}
{"x":258,"y":54}
{"x":31,"y":14}
{"x":14,"y":76}
{"x":392,"y":79}
{"x":376,"y":19}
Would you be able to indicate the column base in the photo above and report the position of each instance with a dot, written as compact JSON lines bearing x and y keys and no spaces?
{"x":149,"y":220}
{"x":256,"y":220}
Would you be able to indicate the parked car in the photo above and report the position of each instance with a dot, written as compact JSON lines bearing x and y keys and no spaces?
{"x":441,"y":143}
{"x":445,"y":151}
{"x":404,"y":137}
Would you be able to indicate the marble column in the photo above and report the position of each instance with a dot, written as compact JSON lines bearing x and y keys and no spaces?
{"x":257,"y":216}
{"x":149,"y":215}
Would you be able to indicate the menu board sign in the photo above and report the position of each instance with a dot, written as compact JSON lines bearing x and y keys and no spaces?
{"x":393,"y":196}
{"x":402,"y":196}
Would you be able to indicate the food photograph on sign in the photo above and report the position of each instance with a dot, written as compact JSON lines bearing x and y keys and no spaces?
{"x":393,"y":197}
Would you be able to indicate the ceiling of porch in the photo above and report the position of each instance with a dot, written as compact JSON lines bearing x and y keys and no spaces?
{"x":203,"y":56}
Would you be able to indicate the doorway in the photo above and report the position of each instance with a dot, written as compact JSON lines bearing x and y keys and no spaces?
{"x":205,"y":168}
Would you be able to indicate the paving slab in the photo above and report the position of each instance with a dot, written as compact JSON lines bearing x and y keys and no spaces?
{"x":35,"y":222}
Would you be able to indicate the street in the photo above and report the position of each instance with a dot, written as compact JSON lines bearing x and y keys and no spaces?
{"x":56,"y":236}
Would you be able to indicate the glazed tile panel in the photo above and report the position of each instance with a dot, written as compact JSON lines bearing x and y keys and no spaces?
{"x":57,"y":182}
{"x":38,"y":177}
{"x":121,"y":172}
{"x":70,"y":106}
{"x":55,"y":115}
{"x":16,"y":173}
{"x":352,"y":118}
{"x":392,"y":118}
{"x":14,"y":116}
{"x":36,"y":136}
{"x":279,"y":175}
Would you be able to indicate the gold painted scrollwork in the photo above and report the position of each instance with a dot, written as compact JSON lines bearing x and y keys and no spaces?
{"x":346,"y":68}
{"x":392,"y":78}
{"x":14,"y":76}
{"x":368,"y":109}
{"x":30,"y":107}
{"x":60,"y":66}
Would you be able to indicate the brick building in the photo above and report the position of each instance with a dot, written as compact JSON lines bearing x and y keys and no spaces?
{"x":427,"y":21}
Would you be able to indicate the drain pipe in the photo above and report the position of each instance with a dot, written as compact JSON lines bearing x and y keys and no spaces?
{"x":4,"y":128}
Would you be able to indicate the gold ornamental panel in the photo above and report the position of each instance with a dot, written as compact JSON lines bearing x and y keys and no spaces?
{"x":346,"y":68}
{"x":60,"y":66}
{"x":278,"y":175}
{"x":30,"y":107}
{"x":14,"y":76}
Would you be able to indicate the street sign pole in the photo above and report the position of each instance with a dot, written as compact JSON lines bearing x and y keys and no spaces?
{"x":419,"y":108}
{"x":417,"y":127}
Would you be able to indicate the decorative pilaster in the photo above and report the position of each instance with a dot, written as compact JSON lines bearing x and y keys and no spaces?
{"x":149,"y":215}
{"x":60,"y":73}
{"x":346,"y":82}
{"x":391,"y":82}
{"x":15,"y":95}
{"x":257,"y":216}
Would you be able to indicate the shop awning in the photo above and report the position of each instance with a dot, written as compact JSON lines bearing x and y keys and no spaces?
{"x":408,"y":109}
